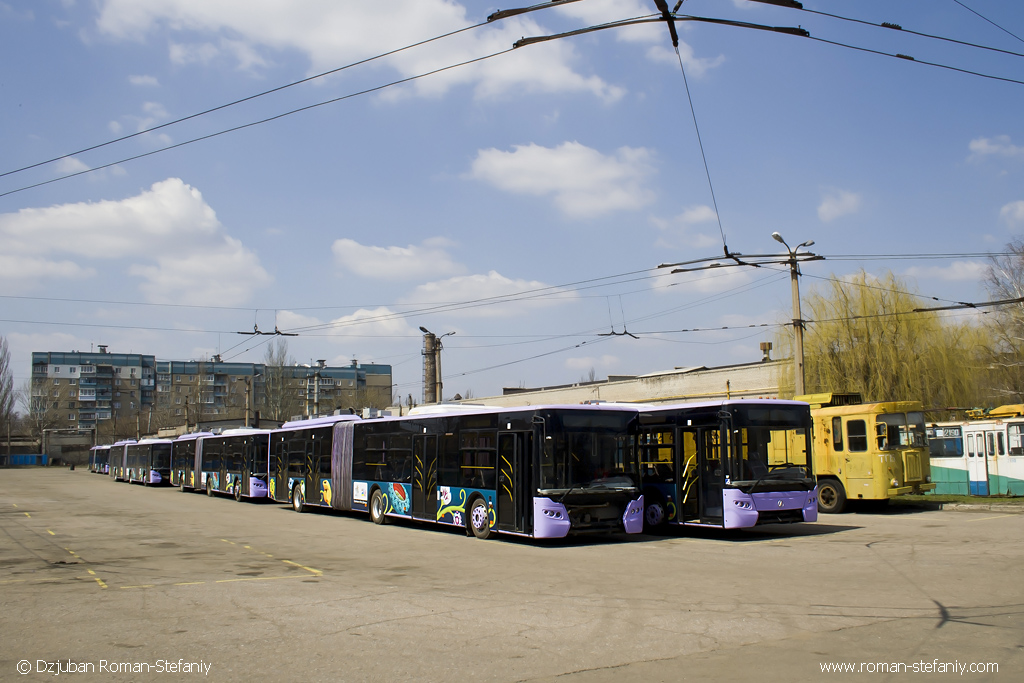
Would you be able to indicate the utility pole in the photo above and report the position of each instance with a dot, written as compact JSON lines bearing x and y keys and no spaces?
{"x":798,"y":322}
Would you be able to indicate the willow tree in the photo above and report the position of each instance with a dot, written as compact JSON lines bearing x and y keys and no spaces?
{"x":863,"y":335}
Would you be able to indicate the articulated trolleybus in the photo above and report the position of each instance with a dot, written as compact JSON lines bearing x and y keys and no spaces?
{"x":542,"y":472}
{"x":727,"y":464}
{"x":99,"y":459}
{"x":235,"y":462}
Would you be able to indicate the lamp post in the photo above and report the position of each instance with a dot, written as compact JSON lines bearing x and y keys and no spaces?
{"x":798,"y":323}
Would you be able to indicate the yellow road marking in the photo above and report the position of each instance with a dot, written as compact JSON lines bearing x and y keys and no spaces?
{"x":50,"y":532}
{"x":14,"y":504}
{"x":147,"y":585}
{"x":227,"y":541}
{"x":27,"y":515}
{"x":257,"y":578}
{"x":189,"y":583}
{"x":984,"y":518}
{"x":316,"y":572}
{"x":98,"y":579}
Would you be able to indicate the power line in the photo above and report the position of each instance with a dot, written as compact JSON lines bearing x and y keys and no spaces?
{"x":259,"y":122}
{"x":988,"y":20}
{"x":242,"y":100}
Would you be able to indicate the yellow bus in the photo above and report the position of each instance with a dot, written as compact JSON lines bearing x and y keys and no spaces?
{"x":867,"y":451}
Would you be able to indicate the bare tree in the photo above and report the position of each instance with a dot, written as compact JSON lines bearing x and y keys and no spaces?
{"x":8,"y":394}
{"x":1004,"y":280}
{"x":280,"y":398}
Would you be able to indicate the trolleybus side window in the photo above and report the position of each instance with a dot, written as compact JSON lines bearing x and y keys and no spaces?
{"x":449,"y":473}
{"x":837,"y":433}
{"x":1016,"y":445}
{"x":400,"y":457}
{"x":376,"y":457}
{"x":656,"y":456}
{"x":477,"y":459}
{"x":970,"y":445}
{"x":1000,"y":444}
{"x":857,"y":435}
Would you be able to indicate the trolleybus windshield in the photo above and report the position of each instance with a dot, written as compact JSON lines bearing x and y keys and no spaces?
{"x":589,"y":453}
{"x":771,"y":445}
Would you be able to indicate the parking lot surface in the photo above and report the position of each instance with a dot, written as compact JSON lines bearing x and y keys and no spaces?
{"x":192,"y":587}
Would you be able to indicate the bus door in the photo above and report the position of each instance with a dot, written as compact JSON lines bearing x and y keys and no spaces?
{"x":978,"y":447}
{"x":514,"y":499}
{"x":709,"y":457}
{"x":424,"y":477}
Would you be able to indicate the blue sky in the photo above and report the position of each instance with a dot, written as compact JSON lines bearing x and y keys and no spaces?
{"x":520,"y":201}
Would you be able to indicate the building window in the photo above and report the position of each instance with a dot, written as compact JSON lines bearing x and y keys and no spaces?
{"x":132,"y":404}
{"x":71,"y":416}
{"x":73,"y":370}
{"x":56,"y":369}
{"x":177,"y":378}
{"x":71,"y":405}
{"x":56,"y":405}
{"x":56,"y":382}
{"x":117,"y":393}
{"x":133,"y":383}
{"x":117,"y":404}
{"x":56,"y":392}
{"x":71,"y":393}
{"x":177,"y":411}
{"x":132,"y":394}
{"x":72,"y":381}
{"x":132,"y":371}
{"x":178,"y":400}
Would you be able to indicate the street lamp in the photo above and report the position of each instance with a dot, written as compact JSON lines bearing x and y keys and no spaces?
{"x":798,"y":323}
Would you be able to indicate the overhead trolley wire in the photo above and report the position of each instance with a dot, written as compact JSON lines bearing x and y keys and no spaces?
{"x":242,"y":100}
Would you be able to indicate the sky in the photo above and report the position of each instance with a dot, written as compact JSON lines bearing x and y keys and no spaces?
{"x":519,"y":200}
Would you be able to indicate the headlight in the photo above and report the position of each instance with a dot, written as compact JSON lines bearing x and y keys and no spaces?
{"x":928,"y":479}
{"x":895,"y":484}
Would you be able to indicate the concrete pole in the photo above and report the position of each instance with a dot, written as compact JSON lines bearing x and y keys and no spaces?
{"x":798,"y":327}
{"x":430,"y":373}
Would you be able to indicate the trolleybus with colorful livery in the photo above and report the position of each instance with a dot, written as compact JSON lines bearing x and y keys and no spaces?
{"x":149,"y":462}
{"x":542,"y":472}
{"x":867,"y":451}
{"x":727,"y":464}
{"x":234,"y":462}
{"x":185,"y":453}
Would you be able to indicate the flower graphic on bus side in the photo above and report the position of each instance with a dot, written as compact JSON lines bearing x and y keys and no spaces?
{"x":445,"y":495}
{"x":457,"y":518}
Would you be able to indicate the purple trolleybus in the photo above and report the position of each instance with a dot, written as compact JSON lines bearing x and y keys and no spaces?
{"x":118,"y":470}
{"x":235,"y":462}
{"x":184,"y":463}
{"x":728,"y":464}
{"x":99,"y":459}
{"x":149,"y":462}
{"x":539,"y":471}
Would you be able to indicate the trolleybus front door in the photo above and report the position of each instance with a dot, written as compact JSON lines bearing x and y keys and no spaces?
{"x":424,"y":477}
{"x":977,"y":462}
{"x":709,"y":457}
{"x":514,"y":500}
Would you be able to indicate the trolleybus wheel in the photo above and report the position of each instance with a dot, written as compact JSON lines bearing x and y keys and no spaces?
{"x":480,"y":519}
{"x":298,"y":500}
{"x":831,"y":496}
{"x":209,"y":487}
{"x":238,"y":491}
{"x":377,"y":507}
{"x":654,"y":513}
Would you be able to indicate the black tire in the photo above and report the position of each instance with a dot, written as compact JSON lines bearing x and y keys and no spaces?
{"x":209,"y":486}
{"x":378,"y":507}
{"x":237,"y":490}
{"x":655,"y":513}
{"x":479,"y":519}
{"x":298,"y":500}
{"x":831,"y":496}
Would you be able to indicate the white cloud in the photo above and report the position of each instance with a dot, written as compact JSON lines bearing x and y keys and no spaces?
{"x":483,"y":289}
{"x":680,"y":231}
{"x":414,"y":262}
{"x":582,"y":181}
{"x":70,"y":165}
{"x":958,"y":271}
{"x":1013,"y":214}
{"x":331,"y":33}
{"x":145,"y":81}
{"x":169,"y":236}
{"x":997,"y":146}
{"x":838,"y":203}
